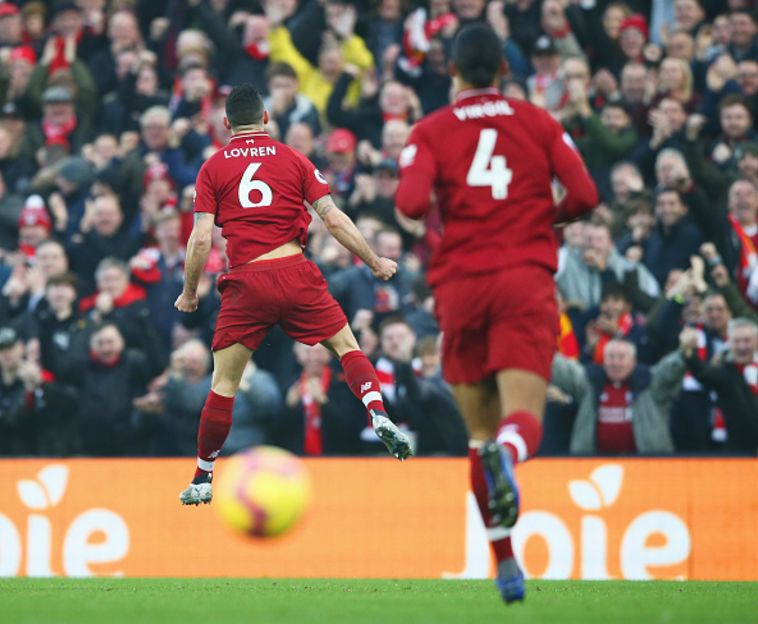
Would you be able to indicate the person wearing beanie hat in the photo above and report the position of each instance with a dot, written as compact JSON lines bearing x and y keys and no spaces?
{"x":34,"y":224}
{"x":633,"y":35}
{"x":11,"y":32}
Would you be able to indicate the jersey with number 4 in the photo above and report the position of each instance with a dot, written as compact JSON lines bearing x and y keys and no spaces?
{"x":255,"y":187}
{"x":491,"y":162}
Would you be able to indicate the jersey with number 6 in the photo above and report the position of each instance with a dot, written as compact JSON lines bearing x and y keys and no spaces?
{"x":491,"y":161}
{"x":255,"y":187}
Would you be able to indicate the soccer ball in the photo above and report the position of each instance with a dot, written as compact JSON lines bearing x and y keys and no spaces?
{"x":263,"y":491}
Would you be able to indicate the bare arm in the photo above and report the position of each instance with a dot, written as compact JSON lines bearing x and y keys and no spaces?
{"x":343,"y":229}
{"x":198,"y":248}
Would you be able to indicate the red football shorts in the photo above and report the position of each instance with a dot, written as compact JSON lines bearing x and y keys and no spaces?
{"x":290,"y":292}
{"x":498,"y":321}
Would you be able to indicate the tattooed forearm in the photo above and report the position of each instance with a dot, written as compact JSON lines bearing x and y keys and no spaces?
{"x":323,"y":205}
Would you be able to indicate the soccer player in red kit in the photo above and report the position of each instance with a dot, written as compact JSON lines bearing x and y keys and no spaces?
{"x":490,"y":161}
{"x":254,"y":188}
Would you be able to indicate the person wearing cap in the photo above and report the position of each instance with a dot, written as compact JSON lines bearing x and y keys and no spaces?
{"x":340,"y":154}
{"x":11,"y":26}
{"x":34,"y":225}
{"x":60,"y":124}
{"x":546,"y":62}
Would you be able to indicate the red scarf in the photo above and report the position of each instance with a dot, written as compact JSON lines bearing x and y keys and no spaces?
{"x":55,"y":134}
{"x":625,"y":324}
{"x":748,"y":255}
{"x":258,"y":51}
{"x":131,"y":294}
{"x":314,"y":443}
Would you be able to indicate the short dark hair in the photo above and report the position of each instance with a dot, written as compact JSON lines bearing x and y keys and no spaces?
{"x":478,"y":55}
{"x":244,"y":106}
{"x":613,"y":290}
{"x":63,"y":279}
{"x":280,"y":69}
{"x":665,"y":190}
{"x":734,"y":99}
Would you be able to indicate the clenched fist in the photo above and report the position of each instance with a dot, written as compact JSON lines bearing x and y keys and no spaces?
{"x":384,"y":268}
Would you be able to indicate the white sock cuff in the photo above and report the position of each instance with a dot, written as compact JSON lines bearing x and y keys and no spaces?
{"x":516,"y":441}
{"x":370,"y":397}
{"x":495,"y":534}
{"x":205,"y":465}
{"x":475,"y":444}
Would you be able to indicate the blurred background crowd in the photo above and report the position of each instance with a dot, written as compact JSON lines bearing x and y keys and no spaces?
{"x":108,"y":110}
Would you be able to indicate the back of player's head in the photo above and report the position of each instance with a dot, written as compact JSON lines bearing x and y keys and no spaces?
{"x":478,"y":55}
{"x":244,"y":106}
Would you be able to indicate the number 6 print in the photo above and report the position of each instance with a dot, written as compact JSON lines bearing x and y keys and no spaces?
{"x":248,"y":184}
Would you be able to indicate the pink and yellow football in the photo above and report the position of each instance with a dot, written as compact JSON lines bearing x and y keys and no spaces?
{"x":262,"y":492}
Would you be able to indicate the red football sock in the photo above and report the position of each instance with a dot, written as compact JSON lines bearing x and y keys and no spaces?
{"x":499,"y":537}
{"x":215,"y":422}
{"x":520,"y":434}
{"x":361,"y":377}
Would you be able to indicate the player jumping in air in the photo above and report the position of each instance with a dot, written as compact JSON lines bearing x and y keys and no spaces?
{"x":254,"y":188}
{"x":491,"y":161}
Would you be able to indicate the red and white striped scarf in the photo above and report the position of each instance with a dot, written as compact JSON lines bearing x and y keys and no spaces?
{"x":313,"y":443}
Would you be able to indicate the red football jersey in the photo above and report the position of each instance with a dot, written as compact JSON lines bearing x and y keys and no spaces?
{"x":491,"y":161}
{"x":256,"y":187}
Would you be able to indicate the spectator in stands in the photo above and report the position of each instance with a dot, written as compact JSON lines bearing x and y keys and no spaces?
{"x":109,"y":377}
{"x":605,"y":138}
{"x":123,"y":304}
{"x":357,"y":289}
{"x":622,"y":405}
{"x":161,"y":271}
{"x":343,"y":48}
{"x":321,"y":416}
{"x":19,"y":380}
{"x":284,"y":103}
{"x":258,"y":402}
{"x":735,"y":378}
{"x":584,"y":271}
{"x":414,"y":393}
{"x":674,"y":238}
{"x":102,"y":235}
{"x":57,"y":324}
{"x":615,"y":320}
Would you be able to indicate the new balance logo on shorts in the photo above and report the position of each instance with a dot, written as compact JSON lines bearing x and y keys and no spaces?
{"x":365,"y":387}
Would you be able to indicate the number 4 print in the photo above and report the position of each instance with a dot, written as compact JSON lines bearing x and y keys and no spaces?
{"x":248,"y":184}
{"x":487,"y":169}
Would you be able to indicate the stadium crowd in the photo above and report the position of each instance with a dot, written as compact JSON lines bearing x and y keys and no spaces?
{"x":108,"y":110}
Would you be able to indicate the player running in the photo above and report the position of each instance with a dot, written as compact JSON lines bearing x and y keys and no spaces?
{"x":254,"y":189}
{"x":490,"y":161}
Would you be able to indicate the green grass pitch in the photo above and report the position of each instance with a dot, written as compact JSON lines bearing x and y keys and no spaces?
{"x":329,"y":601}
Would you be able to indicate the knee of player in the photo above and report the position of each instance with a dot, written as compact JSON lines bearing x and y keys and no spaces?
{"x":224,"y":386}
